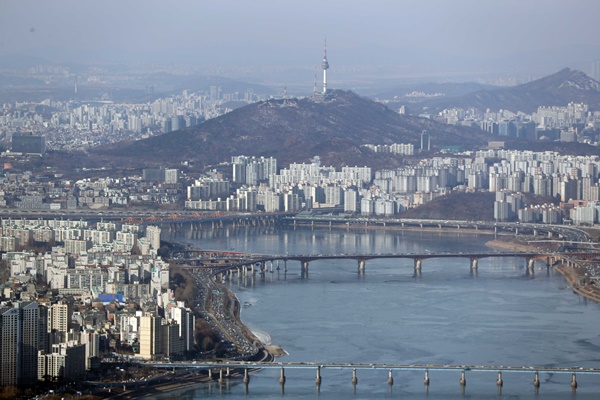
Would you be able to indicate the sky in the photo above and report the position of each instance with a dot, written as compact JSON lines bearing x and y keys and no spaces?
{"x":433,"y":35}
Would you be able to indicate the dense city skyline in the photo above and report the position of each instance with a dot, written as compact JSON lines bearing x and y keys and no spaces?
{"x":161,"y":160}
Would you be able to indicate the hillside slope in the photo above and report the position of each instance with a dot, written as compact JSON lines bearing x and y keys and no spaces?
{"x":297,"y":130}
{"x":554,"y":90}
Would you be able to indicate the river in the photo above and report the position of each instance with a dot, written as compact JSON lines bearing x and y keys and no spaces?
{"x":500,"y":315}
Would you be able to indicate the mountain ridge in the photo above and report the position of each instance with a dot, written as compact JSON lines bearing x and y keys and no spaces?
{"x":558,"y":89}
{"x":296,"y":130}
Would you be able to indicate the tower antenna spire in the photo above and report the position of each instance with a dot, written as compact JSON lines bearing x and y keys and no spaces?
{"x":325,"y":67}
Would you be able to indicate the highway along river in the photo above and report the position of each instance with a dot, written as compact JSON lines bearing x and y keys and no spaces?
{"x":499,"y":316}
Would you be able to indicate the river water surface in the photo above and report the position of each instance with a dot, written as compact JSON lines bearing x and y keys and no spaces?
{"x":500,"y":315}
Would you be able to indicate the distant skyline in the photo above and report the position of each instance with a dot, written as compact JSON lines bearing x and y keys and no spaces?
{"x":410,"y":36}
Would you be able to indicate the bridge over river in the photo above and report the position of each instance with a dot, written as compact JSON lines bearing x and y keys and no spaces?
{"x":231,"y":262}
{"x":223,"y":264}
{"x":229,"y":369}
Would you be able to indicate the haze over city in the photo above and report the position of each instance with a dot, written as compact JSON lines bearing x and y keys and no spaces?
{"x":461,"y":38}
{"x":194,"y":192}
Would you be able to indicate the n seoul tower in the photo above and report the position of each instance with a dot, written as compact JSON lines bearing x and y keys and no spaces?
{"x":325,"y":66}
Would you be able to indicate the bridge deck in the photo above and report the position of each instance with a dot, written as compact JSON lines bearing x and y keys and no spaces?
{"x":371,"y":256}
{"x":361,"y":366}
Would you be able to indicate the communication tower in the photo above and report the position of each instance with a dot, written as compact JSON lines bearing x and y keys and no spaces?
{"x":325,"y":66}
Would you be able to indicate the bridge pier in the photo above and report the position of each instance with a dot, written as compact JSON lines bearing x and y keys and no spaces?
{"x":304,"y":265}
{"x":463,"y":379}
{"x":246,"y":377}
{"x":354,"y":377}
{"x":318,"y":379}
{"x":361,"y":266}
{"x":271,"y":262}
{"x":282,"y":377}
{"x":536,"y":381}
{"x":390,"y":378}
{"x":474,"y":262}
{"x":426,"y":380}
{"x":499,"y":381}
{"x":573,"y":382}
{"x":530,"y":263}
{"x":220,"y":380}
{"x":417,"y":265}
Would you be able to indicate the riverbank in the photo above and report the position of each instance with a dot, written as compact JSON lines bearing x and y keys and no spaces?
{"x":270,"y":350}
{"x":230,"y":328}
{"x":573,"y":275}
{"x":520,"y":244}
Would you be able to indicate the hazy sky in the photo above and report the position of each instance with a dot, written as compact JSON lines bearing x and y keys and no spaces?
{"x":438,"y":34}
